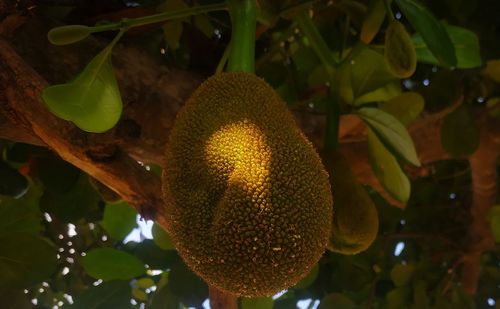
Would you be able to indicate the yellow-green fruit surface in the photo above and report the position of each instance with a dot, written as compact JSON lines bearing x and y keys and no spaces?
{"x":247,"y":197}
{"x":355,"y":224}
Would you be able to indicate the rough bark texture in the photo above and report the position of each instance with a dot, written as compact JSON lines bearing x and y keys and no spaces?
{"x":152,"y":95}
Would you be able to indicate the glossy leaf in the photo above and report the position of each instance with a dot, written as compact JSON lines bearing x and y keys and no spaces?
{"x":405,"y":107}
{"x":187,"y":286}
{"x":459,"y":133}
{"x":399,"y":51}
{"x":369,"y":72}
{"x":432,"y":31}
{"x":110,"y":264}
{"x":68,"y":34}
{"x":164,"y":298}
{"x":119,"y":219}
{"x":113,"y":294}
{"x":466,"y":45}
{"x":20,"y":215}
{"x":391,"y":132}
{"x":25,"y":259}
{"x":373,"y":21}
{"x":73,"y":204}
{"x":152,"y":255}
{"x":257,"y":303}
{"x":387,"y":169}
{"x":161,"y":238}
{"x":383,"y":93}
{"x":92,"y":100}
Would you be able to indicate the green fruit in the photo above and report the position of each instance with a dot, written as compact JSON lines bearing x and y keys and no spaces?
{"x":355,"y":220}
{"x":247,"y":198}
{"x":400,"y":54}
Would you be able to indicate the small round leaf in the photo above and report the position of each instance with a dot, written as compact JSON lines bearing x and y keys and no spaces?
{"x":400,"y":54}
{"x":68,"y":34}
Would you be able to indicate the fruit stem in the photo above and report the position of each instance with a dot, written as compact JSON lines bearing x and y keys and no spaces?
{"x":324,"y":53}
{"x":242,"y":50}
{"x":151,"y":19}
{"x":387,"y":4}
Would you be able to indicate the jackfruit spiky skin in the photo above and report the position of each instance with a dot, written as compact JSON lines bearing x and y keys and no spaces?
{"x":246,"y":194}
{"x":355,"y":224}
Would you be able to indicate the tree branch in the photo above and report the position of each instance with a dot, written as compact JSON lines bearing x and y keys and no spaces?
{"x":483,"y":165}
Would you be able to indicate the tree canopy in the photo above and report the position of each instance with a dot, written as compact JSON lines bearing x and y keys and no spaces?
{"x":407,"y":90}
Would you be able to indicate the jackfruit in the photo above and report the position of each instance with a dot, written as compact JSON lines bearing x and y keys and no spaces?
{"x":246,"y":194}
{"x":355,"y":224}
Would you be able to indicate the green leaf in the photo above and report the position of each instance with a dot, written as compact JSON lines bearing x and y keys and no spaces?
{"x":152,"y":255}
{"x":391,"y":132}
{"x":368,"y":71}
{"x":337,"y":301}
{"x":459,"y":132}
{"x":14,"y":299}
{"x":119,"y":219}
{"x":383,"y":93}
{"x":399,"y":51}
{"x":387,"y":169}
{"x":493,"y":218}
{"x":113,"y":294}
{"x":20,"y":215}
{"x":405,"y":107}
{"x":25,"y":259}
{"x":309,"y":279}
{"x":172,"y":32}
{"x":202,"y":22}
{"x":110,"y":264}
{"x":92,"y":101}
{"x":68,"y":34}
{"x":373,"y":21}
{"x":12,"y":183}
{"x":57,"y":175}
{"x":187,"y":286}
{"x":74,"y":204}
{"x":257,"y":303}
{"x":161,"y":238}
{"x":432,"y":31}
{"x":402,"y":274}
{"x":163,"y":298}
{"x":466,"y":45}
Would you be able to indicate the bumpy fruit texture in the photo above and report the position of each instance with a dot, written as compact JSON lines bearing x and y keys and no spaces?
{"x":400,"y":54}
{"x":355,"y":224}
{"x":246,"y":194}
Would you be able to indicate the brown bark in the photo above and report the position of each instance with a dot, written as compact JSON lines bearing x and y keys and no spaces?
{"x":483,"y":165}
